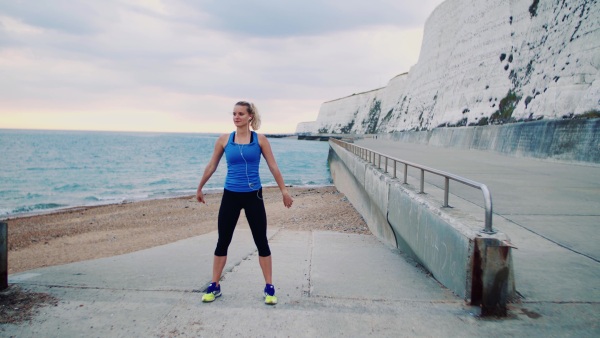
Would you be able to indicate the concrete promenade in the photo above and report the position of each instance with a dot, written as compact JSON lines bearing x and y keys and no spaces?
{"x":335,"y":284}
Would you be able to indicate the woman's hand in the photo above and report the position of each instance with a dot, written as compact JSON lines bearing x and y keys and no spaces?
{"x":287,"y":199}
{"x":200,"y":196}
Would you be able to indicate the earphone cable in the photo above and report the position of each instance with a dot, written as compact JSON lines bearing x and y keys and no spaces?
{"x":250,"y":185}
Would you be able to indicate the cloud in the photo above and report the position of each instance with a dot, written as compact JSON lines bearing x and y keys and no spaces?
{"x":269,"y":18}
{"x":193,"y":60}
{"x":73,"y":17}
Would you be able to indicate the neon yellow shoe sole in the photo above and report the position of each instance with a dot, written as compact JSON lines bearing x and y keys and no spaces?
{"x":270,"y":300}
{"x":210,"y":297}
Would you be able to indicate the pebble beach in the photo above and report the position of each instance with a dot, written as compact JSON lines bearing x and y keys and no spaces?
{"x":84,"y":233}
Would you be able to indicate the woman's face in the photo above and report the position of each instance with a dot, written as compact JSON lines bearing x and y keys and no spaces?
{"x":241,"y":117}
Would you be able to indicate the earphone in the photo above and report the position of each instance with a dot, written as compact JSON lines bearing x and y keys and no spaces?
{"x":250,"y":185}
{"x":241,"y":147}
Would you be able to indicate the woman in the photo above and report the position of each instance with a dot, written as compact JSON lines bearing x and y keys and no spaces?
{"x":243,"y":190}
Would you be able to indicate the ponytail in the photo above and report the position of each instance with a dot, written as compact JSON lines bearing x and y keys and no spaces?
{"x":255,"y":123}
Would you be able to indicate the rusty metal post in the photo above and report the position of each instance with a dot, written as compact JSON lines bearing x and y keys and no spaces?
{"x":3,"y":255}
{"x":493,"y":277}
{"x":495,"y":281}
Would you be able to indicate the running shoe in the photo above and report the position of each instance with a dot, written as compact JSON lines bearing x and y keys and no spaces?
{"x":270,"y":297}
{"x":212,"y":293}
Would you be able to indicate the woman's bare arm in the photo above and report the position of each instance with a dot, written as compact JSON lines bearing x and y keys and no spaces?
{"x":212,"y":165}
{"x":270,"y":158}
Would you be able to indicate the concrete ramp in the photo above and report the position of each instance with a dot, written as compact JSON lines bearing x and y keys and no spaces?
{"x":329,"y":284}
{"x":448,"y":243}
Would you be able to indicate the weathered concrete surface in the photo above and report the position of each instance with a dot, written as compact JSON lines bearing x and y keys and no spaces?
{"x":550,"y":210}
{"x":352,"y":178}
{"x":329,"y":284}
{"x":442,"y":241}
{"x":442,"y":245}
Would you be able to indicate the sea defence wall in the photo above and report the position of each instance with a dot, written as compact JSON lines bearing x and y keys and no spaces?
{"x":475,"y":266}
{"x":575,"y":140}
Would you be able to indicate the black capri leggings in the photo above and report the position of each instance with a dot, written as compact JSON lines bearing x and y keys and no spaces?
{"x":232,"y":204}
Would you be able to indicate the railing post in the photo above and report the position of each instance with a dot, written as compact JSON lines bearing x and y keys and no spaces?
{"x":446,"y":191}
{"x":3,"y":255}
{"x":394,"y":169}
{"x":379,"y":162}
{"x":422,"y":181}
{"x":405,"y":173}
{"x":487,"y":199}
{"x":386,"y":161}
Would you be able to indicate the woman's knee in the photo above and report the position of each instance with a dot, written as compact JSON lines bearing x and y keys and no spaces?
{"x":265,"y":252}
{"x":263,"y":248}
{"x":220,"y":252}
{"x":221,"y":249}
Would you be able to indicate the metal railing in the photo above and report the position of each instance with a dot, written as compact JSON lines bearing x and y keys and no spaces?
{"x":375,"y":158}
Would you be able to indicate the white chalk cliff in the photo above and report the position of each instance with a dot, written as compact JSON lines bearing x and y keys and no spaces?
{"x":485,"y":62}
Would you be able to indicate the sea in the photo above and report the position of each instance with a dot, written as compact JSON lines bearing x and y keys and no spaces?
{"x":43,"y":171}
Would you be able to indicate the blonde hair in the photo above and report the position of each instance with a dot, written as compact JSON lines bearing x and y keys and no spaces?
{"x":253,"y":111}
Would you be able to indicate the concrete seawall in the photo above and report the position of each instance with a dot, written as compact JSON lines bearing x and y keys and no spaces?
{"x":576,"y":140}
{"x":451,"y":248}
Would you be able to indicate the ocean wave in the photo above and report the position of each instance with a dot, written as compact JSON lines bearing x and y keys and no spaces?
{"x":70,"y":187}
{"x":8,"y":192}
{"x":300,"y":182}
{"x":55,"y":168}
{"x":160,"y":182}
{"x":31,"y":196}
{"x":123,"y":186}
{"x":37,"y":169}
{"x":36,"y":207}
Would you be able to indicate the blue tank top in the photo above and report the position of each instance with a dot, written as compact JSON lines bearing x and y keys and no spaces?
{"x":242,"y":165}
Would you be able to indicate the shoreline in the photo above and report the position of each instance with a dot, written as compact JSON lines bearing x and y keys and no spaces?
{"x":207,"y":191}
{"x":89,"y":232}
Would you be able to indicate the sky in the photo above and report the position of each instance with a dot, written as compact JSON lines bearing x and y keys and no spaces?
{"x":180,"y":65}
